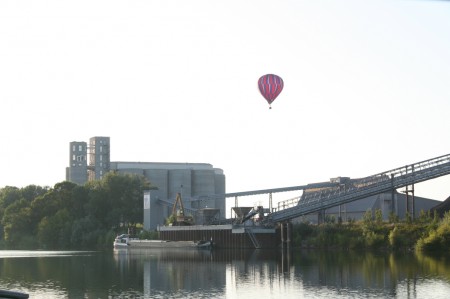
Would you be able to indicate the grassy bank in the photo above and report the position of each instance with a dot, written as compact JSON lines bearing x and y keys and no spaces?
{"x":426,"y":233}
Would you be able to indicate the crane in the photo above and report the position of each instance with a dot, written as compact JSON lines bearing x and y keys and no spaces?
{"x":179,"y":215}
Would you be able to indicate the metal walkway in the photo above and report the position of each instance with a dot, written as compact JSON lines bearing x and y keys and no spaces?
{"x":361,"y":188}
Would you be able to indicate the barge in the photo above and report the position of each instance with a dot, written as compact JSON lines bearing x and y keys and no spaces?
{"x":125,"y":241}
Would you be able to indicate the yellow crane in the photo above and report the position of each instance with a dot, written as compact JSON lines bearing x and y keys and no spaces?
{"x":181,"y":218}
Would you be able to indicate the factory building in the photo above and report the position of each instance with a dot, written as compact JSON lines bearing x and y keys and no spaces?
{"x":389,"y":203}
{"x":192,"y":180}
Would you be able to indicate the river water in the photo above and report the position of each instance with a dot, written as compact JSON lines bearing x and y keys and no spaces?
{"x":180,"y":273}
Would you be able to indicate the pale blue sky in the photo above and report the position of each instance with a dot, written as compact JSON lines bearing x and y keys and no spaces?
{"x":366,"y":86}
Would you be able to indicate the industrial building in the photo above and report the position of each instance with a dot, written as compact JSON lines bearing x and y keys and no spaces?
{"x":81,"y":170}
{"x":389,"y":203}
{"x":202,"y":188}
{"x":192,"y":180}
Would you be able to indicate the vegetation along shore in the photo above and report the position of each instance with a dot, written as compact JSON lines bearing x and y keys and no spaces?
{"x":428,"y":232}
{"x":70,"y":216}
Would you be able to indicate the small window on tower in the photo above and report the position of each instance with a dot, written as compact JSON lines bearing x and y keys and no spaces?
{"x":80,"y":148}
{"x":74,"y":148}
{"x":74,"y":157}
{"x":101,"y":148}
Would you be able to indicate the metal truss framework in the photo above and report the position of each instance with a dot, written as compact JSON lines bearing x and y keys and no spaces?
{"x":361,"y":188}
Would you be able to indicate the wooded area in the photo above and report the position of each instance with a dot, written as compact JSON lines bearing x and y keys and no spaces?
{"x":70,"y":216}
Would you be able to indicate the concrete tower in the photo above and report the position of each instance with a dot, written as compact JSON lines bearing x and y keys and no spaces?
{"x":99,"y":157}
{"x":77,"y":170}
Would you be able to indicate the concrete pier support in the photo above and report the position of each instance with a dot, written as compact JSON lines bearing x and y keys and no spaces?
{"x":286,"y":233}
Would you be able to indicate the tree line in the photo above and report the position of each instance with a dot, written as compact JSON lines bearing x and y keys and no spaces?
{"x":71,"y":216}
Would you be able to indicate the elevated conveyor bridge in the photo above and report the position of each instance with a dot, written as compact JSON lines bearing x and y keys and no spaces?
{"x":332,"y":194}
{"x":361,"y":188}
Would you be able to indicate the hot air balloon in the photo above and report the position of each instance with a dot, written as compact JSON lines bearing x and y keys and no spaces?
{"x":270,"y":87}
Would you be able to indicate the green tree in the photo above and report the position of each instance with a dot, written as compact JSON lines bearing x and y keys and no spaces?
{"x":408,"y":217}
{"x":378,"y":217}
{"x":69,"y":215}
{"x":54,"y":232}
{"x":15,"y":221}
{"x":44,"y":206}
{"x":117,"y":199}
{"x":30,"y":192}
{"x":86,"y":232}
{"x":8,"y":195}
{"x":79,"y":199}
{"x":368,"y":220}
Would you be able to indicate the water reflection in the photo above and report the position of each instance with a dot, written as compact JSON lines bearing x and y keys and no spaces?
{"x":172,"y":272}
{"x":175,"y":273}
{"x":391,"y":275}
{"x":195,"y":273}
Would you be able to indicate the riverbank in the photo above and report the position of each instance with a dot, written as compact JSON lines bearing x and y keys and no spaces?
{"x":426,"y":233}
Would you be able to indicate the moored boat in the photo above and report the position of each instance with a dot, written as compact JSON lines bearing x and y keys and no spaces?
{"x":125,"y":241}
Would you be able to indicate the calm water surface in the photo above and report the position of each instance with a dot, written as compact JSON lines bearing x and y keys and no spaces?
{"x":195,"y":273}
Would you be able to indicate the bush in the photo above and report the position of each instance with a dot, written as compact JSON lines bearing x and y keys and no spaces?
{"x":437,"y":239}
{"x":398,"y":238}
{"x":374,"y":240}
{"x":425,"y":233}
{"x":393,"y":218}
